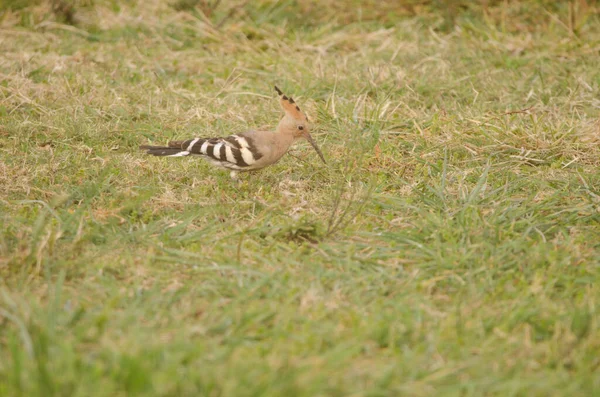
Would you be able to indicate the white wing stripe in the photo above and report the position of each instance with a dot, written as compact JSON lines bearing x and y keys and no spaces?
{"x":191,"y":145}
{"x":204,"y":147}
{"x":180,"y":154}
{"x":242,"y":141}
{"x":229,"y":154}
{"x":247,"y":156}
{"x":217,"y":151}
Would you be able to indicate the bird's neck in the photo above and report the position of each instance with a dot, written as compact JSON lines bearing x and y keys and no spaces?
{"x":283,"y":140}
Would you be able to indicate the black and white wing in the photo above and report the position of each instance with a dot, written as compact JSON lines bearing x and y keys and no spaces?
{"x":235,"y":152}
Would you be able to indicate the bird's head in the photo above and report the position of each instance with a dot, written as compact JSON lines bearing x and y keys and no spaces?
{"x":295,"y":122}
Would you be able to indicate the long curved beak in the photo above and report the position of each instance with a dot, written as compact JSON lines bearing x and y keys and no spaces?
{"x":310,"y":139}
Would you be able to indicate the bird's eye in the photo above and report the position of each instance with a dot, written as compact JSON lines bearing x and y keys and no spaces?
{"x":300,"y":127}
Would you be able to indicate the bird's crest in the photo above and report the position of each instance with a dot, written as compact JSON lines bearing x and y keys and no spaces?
{"x":295,"y":122}
{"x":289,"y":106}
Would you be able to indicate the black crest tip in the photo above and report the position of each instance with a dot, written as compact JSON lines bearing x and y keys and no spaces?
{"x":278,"y":90}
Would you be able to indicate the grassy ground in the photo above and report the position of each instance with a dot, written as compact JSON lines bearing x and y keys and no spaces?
{"x":450,"y":247}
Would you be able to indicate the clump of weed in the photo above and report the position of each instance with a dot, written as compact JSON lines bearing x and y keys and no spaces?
{"x":301,"y":231}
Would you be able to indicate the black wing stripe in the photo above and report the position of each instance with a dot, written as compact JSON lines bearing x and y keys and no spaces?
{"x":234,"y":141}
{"x":253,"y":149}
{"x":196,"y":147}
{"x":239,"y":159}
{"x":185,"y":144}
{"x":210,"y":150}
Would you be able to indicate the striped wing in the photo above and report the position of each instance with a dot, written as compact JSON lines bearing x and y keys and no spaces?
{"x":235,"y":152}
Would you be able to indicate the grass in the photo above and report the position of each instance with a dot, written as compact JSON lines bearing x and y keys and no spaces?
{"x":451,"y":246}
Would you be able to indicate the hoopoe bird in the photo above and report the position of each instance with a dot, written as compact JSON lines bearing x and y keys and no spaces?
{"x":250,"y":150}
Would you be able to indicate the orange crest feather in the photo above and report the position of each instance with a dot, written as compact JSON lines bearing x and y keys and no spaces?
{"x":289,"y":106}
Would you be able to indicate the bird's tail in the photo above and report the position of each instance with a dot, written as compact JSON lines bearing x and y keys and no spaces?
{"x":164,"y":151}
